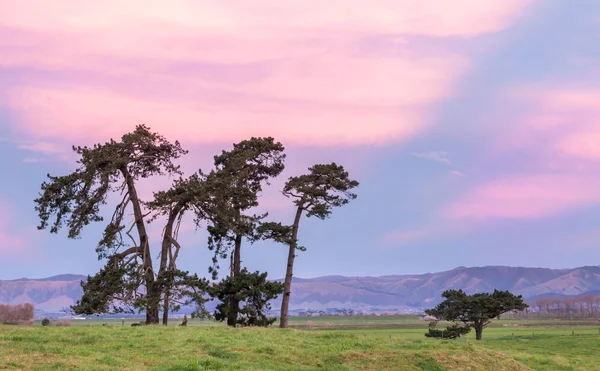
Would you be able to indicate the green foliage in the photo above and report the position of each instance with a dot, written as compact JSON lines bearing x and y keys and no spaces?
{"x":75,"y":200}
{"x":235,"y":185}
{"x":186,"y":289}
{"x":475,"y":310}
{"x":253,"y":291}
{"x":101,"y":289}
{"x":221,"y":198}
{"x":276,"y":232}
{"x":45,"y":322}
{"x":451,"y":332}
{"x":314,"y":194}
{"x":325,"y":186}
{"x":252,"y":162}
{"x":191,"y":193}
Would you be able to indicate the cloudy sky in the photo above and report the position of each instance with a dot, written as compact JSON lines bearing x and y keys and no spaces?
{"x":473,"y":126}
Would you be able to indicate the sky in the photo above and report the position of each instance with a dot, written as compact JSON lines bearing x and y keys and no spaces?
{"x":472,"y":127}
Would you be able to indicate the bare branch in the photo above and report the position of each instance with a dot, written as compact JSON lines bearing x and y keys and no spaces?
{"x":129,"y":251}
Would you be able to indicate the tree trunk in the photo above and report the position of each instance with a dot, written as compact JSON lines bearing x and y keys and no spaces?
{"x":287,"y":291}
{"x":237,"y":255}
{"x":478,"y":332}
{"x":152,"y":317}
{"x":165,"y":319}
{"x":165,"y":264}
{"x":152,"y":303}
{"x":236,"y":269}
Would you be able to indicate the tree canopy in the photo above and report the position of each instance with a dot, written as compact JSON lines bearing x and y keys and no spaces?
{"x":240,"y":174}
{"x":325,"y":187}
{"x":316,"y":193}
{"x":129,"y":279}
{"x":253,"y":291}
{"x":477,"y":310}
{"x":143,"y":275}
{"x":238,"y":180}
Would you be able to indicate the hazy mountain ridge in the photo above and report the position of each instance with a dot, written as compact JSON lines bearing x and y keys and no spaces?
{"x":392,"y":292}
{"x":46,"y":294}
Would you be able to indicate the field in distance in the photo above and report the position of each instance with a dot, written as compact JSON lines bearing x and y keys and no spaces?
{"x":357,"y":322}
{"x":205,"y":345}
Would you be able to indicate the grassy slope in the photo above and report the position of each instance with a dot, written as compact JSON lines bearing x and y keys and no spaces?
{"x":552,"y":348}
{"x":205,"y":345}
{"x":220,"y":348}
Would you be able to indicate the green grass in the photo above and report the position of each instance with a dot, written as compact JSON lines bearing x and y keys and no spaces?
{"x":550,"y":348}
{"x":357,"y":320}
{"x":414,"y":320}
{"x":206,"y":346}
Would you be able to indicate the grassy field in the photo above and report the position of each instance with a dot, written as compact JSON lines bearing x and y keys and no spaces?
{"x":206,"y":346}
{"x":353,"y":322}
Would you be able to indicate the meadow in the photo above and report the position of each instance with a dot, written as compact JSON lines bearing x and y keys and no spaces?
{"x":333,"y":343}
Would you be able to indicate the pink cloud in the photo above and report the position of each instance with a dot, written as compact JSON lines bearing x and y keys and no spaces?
{"x":583,"y":144}
{"x":212,"y":72}
{"x":265,"y":18}
{"x":577,"y":111}
{"x":526,"y":197}
{"x":563,"y":119}
{"x":59,"y":114}
{"x":558,"y":135}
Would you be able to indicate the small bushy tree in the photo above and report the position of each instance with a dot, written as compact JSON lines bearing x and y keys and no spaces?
{"x":250,"y":290}
{"x":477,"y":310}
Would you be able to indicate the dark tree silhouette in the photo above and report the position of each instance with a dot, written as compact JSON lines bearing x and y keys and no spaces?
{"x":237,"y":181}
{"x":477,"y":310}
{"x":75,"y":200}
{"x":325,"y":187}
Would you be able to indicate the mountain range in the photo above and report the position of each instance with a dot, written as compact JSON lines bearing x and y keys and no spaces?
{"x":385,"y":293}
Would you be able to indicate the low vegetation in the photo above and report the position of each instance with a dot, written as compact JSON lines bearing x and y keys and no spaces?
{"x":203,"y":345}
{"x":21,"y":314}
{"x":223,"y":348}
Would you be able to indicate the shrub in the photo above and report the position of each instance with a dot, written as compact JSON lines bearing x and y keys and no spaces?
{"x":45,"y":322}
{"x":253,"y":291}
{"x":451,"y":332}
{"x":21,"y":314}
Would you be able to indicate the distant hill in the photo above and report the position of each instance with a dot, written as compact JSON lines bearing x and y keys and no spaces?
{"x":47,"y":294}
{"x":385,"y":293}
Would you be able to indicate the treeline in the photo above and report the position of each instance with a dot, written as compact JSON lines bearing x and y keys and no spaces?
{"x":584,"y":306}
{"x":21,"y":314}
{"x":221,"y":200}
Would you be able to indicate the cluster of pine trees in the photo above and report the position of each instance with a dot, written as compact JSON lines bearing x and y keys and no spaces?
{"x":220,"y":200}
